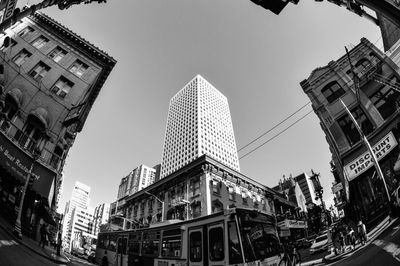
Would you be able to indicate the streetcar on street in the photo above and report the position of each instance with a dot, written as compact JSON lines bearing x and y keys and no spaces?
{"x":236,"y":236}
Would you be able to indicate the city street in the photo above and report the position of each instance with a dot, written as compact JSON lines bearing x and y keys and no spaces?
{"x":384,"y":250}
{"x":14,"y":254}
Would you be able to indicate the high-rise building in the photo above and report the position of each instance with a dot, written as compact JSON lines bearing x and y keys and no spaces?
{"x":100,"y":216}
{"x":79,"y":199}
{"x":198,"y":123}
{"x":307,"y":188}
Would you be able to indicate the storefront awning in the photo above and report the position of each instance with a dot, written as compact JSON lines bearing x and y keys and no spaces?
{"x":15,"y":95}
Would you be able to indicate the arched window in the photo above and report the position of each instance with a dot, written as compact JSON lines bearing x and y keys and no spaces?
{"x":332,"y":91}
{"x":34,"y":130}
{"x":12,"y":103}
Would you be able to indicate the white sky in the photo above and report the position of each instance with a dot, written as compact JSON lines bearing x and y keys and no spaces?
{"x":255,"y":58}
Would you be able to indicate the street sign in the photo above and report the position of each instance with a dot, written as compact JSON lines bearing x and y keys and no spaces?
{"x":9,"y":10}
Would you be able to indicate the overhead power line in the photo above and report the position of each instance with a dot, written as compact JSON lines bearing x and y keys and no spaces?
{"x":259,"y":146}
{"x":263,"y":134}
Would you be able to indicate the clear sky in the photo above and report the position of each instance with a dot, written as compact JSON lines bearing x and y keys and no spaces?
{"x":254,"y":57}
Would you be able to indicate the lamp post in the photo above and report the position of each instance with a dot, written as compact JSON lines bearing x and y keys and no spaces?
{"x":17,"y":227}
{"x":162,"y":204}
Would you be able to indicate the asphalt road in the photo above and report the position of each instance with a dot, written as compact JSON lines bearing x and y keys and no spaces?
{"x":384,"y":250}
{"x":14,"y":254}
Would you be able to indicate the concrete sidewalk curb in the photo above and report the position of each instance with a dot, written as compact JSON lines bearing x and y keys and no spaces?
{"x":372,"y":235}
{"x":40,"y":252}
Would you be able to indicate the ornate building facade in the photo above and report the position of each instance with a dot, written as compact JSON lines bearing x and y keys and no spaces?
{"x":50,"y":79}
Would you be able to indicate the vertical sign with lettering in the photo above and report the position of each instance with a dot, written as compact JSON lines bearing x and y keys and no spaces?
{"x":9,"y":10}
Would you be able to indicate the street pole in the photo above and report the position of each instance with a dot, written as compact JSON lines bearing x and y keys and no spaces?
{"x":17,"y":227}
{"x":368,"y":145}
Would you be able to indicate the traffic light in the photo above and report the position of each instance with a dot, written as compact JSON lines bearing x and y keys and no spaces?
{"x":275,"y":6}
{"x":31,"y":180}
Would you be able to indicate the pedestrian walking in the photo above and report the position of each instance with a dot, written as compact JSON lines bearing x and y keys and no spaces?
{"x":43,"y":235}
{"x":341,"y":242}
{"x":352,"y":238}
{"x":362,"y":232}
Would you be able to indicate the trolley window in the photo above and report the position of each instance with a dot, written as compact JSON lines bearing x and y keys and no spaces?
{"x":195,"y":245}
{"x":216,"y":243}
{"x":235,"y":252}
{"x":151,"y":243}
{"x":134,"y":243}
{"x":113,"y":243}
{"x":171,"y":243}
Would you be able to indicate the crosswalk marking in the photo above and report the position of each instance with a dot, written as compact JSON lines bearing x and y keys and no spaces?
{"x":389,"y":247}
{"x":5,"y":243}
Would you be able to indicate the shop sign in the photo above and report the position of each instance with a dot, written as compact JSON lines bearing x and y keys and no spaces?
{"x":337,"y":187}
{"x":364,"y":162}
{"x":284,"y":232}
{"x":18,"y":163}
{"x":296,"y":224}
{"x":286,"y":224}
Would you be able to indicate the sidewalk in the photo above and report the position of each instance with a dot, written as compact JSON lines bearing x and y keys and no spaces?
{"x":374,"y":233}
{"x":46,"y":252}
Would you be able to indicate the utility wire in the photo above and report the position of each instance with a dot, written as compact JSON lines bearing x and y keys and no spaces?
{"x":259,"y":146}
{"x":263,"y":134}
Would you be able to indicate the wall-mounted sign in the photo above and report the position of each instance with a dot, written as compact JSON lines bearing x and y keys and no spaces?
{"x":17,"y":163}
{"x":364,"y":162}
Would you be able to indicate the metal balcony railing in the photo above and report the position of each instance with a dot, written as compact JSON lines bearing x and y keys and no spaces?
{"x":30,"y":146}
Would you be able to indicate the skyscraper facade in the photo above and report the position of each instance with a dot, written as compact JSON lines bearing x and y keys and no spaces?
{"x":198,"y":123}
{"x":79,"y":199}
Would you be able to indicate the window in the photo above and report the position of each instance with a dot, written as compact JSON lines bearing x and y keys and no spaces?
{"x":362,"y":66}
{"x":385,"y":100}
{"x":195,"y":187}
{"x":134,"y":243}
{"x":231,"y":193}
{"x":62,"y":87}
{"x":57,"y":54}
{"x":216,"y":186}
{"x":332,"y":91}
{"x":350,"y":130}
{"x":39,"y":71}
{"x":235,"y":253}
{"x":196,"y":207}
{"x":21,"y":57}
{"x":25,"y":31}
{"x":40,"y":42}
{"x":78,"y":68}
{"x":195,"y":246}
{"x":171,"y":243}
{"x":151,"y":241}
{"x":216,"y":243}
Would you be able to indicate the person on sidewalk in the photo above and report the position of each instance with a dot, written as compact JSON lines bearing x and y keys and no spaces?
{"x":352,"y":238}
{"x":362,"y":232}
{"x":43,"y":235}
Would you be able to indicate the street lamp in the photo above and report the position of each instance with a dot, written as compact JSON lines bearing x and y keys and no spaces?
{"x":162,"y":204}
{"x":17,"y":227}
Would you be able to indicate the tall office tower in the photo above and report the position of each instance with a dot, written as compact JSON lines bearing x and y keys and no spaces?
{"x":198,"y":123}
{"x":100,"y":216}
{"x":79,"y":199}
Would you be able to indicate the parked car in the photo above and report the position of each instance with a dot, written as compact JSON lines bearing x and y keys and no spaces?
{"x":303,"y":243}
{"x":319,"y":244}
